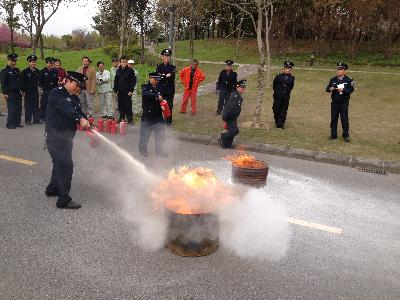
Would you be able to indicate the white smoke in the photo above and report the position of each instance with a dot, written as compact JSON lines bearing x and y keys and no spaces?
{"x":255,"y":227}
{"x":251,"y":226}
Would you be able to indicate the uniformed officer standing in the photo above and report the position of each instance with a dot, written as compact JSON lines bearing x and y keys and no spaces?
{"x":340,"y":87}
{"x":152,"y":118}
{"x":231,"y":113}
{"x":48,"y":80}
{"x":282,"y":85}
{"x":226,"y":84}
{"x":30,"y":86}
{"x":167,"y":80}
{"x":62,"y":116}
{"x":11,"y":85}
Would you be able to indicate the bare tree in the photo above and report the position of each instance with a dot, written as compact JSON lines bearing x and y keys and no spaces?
{"x":258,"y":11}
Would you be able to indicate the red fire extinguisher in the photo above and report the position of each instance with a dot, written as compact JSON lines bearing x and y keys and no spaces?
{"x":91,"y":121}
{"x":165,"y":109}
{"x":122,"y":127}
{"x":225,"y":126}
{"x":114,"y":127}
{"x":108,"y":125}
{"x":94,"y":141}
{"x":100,"y":125}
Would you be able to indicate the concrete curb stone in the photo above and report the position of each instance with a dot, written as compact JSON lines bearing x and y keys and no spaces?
{"x":326,"y":157}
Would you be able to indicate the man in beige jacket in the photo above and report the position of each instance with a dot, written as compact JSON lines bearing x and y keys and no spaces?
{"x":86,"y":95}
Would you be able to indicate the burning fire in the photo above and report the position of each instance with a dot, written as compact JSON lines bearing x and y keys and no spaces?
{"x":191,"y":191}
{"x":244,"y":160}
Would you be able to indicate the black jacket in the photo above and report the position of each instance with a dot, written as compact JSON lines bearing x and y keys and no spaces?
{"x":63,"y":113}
{"x":30,"y":80}
{"x":233,"y":107}
{"x":227,"y":82}
{"x":283,"y":84}
{"x":125,"y":80}
{"x":10,"y":79}
{"x":166,"y":84}
{"x":152,"y":111}
{"x":348,"y":88}
{"x":48,"y":79}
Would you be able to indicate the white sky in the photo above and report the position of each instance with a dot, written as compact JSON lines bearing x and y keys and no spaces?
{"x":69,"y":17}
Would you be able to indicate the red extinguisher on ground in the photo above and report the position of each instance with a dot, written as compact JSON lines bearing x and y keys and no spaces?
{"x":122,"y":127}
{"x":108,"y":125}
{"x":91,"y":121}
{"x":100,"y":125}
{"x":114,"y":127}
{"x":165,"y":109}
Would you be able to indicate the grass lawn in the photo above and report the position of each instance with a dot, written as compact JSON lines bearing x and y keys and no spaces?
{"x":374,"y":116}
{"x":220,"y":50}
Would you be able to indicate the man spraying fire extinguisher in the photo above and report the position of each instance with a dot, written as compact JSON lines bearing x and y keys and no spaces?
{"x":155,"y":112}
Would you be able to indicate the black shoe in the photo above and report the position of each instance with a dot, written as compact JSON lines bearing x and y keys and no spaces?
{"x":104,"y":117}
{"x":20,"y":126}
{"x":131,"y":123}
{"x":346,"y":139}
{"x":282,"y":127}
{"x":11,"y":127}
{"x":69,"y":205}
{"x":332,"y":138}
{"x":220,"y":142}
{"x":52,"y":193}
{"x":28,"y":123}
{"x":110,"y":117}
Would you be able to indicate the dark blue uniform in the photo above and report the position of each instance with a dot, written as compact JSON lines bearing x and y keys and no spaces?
{"x":282,"y":85}
{"x":226,"y":84}
{"x":230,"y":114}
{"x":63,"y":114}
{"x":340,"y":104}
{"x":11,"y":85}
{"x":48,"y":80}
{"x":167,"y":85}
{"x":30,"y":85}
{"x":124,"y":83}
{"x":152,"y":119}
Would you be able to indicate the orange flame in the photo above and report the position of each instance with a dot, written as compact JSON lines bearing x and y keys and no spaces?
{"x":244,"y":160}
{"x":191,"y":191}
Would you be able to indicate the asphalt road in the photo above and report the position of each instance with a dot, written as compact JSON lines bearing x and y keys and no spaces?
{"x":48,"y":253}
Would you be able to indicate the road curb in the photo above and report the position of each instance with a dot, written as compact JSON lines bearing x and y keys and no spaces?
{"x":287,"y":151}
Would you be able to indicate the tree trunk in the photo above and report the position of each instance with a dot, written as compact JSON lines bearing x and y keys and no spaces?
{"x":41,"y":46}
{"x":123,"y":25}
{"x":12,"y":38}
{"x":261,"y":65}
{"x":239,"y":36}
{"x":191,"y":28}
{"x":269,"y":12}
{"x":141,"y":38}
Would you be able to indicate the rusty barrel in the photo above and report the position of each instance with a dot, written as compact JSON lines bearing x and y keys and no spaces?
{"x":193,"y":234}
{"x":255,"y":177}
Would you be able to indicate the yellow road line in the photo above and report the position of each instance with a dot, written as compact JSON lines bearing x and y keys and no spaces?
{"x":303,"y":223}
{"x":17,"y":160}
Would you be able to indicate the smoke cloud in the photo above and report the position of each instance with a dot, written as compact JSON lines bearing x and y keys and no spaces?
{"x":251,"y":226}
{"x":255,"y":227}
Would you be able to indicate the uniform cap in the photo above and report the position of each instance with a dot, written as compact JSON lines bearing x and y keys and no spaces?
{"x":166,"y":52}
{"x":131,"y":61}
{"x":288,"y":64}
{"x":229,"y":62}
{"x":241,"y":83}
{"x":31,"y":57}
{"x":154,"y":75}
{"x":78,"y":77}
{"x":49,"y":59}
{"x":12,"y":56}
{"x":342,"y":66}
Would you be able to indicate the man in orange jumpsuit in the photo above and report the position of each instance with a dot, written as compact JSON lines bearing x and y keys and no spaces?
{"x":191,"y":77}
